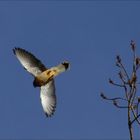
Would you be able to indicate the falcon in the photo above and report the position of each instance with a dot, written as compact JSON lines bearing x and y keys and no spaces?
{"x":43,"y":78}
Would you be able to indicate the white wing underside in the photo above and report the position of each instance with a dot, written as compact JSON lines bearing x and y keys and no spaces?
{"x":48,"y":98}
{"x":29,"y":61}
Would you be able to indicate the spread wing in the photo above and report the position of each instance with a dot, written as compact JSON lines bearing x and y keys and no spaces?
{"x":29,"y":61}
{"x":48,"y":98}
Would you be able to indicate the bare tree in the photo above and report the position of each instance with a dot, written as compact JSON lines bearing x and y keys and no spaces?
{"x":129,"y":84}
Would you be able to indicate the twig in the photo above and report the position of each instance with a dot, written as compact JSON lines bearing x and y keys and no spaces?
{"x":135,"y":116}
{"x":135,"y":119}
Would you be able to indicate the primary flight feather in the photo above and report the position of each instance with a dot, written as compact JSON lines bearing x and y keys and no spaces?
{"x":43,"y":77}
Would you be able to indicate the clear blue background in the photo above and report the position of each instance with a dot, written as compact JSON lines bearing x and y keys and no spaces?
{"x":89,"y":34}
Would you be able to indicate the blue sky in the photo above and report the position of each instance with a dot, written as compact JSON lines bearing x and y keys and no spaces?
{"x":89,"y":34}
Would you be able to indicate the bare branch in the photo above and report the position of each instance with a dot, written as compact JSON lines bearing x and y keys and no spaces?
{"x":118,"y":106}
{"x":103,"y":96}
{"x":137,"y":63}
{"x":115,"y":84}
{"x":135,"y":116}
{"x":123,"y":68}
{"x":133,"y":45}
{"x":135,"y":119}
{"x":133,"y":93}
{"x":129,"y":100}
{"x":116,"y":98}
{"x":121,"y":76}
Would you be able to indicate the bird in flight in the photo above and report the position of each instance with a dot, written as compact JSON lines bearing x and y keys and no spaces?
{"x":43,"y":78}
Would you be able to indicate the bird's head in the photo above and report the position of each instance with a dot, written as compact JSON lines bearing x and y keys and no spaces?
{"x":66,"y":64}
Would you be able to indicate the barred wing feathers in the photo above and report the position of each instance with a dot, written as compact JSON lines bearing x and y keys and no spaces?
{"x":48,"y":98}
{"x":29,"y":61}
